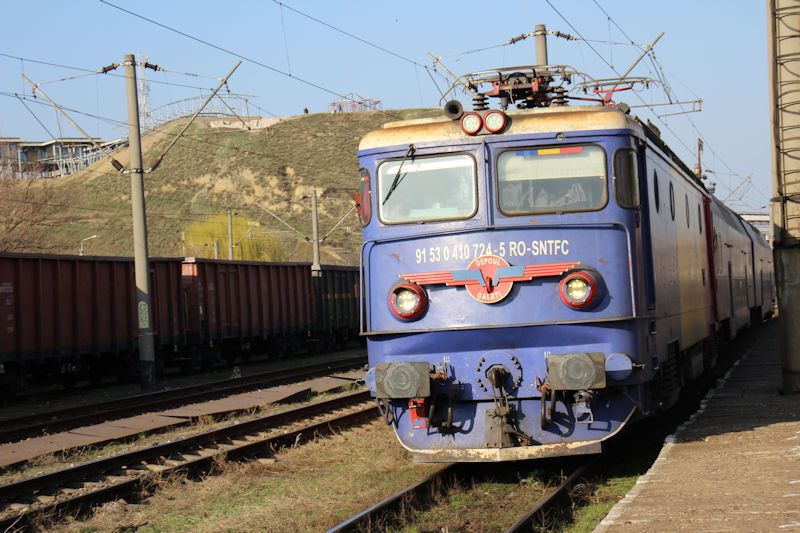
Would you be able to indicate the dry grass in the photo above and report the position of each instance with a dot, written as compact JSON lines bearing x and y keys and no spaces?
{"x":306,"y":488}
{"x":212,"y":169}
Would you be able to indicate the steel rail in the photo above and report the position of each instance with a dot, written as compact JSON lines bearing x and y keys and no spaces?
{"x":369,"y":518}
{"x":372,"y":517}
{"x":133,"y":472}
{"x":15,"y":429}
{"x":525,"y":524}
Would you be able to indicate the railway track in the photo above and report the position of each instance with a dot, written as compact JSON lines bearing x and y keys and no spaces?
{"x":423,"y":492}
{"x":559,"y":493}
{"x":16,"y":429}
{"x":45,"y":394}
{"x":30,"y":502}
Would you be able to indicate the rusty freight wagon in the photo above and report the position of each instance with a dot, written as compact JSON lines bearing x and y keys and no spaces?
{"x":237,"y":307}
{"x":243,"y":305}
{"x":71,"y":315}
{"x":68,"y":316}
{"x":337,"y":304}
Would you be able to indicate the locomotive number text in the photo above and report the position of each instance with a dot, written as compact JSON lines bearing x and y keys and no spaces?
{"x":463,"y":251}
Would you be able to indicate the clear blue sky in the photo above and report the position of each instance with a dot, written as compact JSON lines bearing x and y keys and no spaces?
{"x":715,"y":50}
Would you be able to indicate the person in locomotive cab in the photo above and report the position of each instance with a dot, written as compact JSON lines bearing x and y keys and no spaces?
{"x":574,"y":196}
{"x":542,"y":196}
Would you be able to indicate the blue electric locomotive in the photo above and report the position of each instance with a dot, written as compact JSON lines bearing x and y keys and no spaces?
{"x":533,"y":280}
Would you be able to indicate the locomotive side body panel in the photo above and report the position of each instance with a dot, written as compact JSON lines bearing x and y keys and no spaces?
{"x":683,"y":313}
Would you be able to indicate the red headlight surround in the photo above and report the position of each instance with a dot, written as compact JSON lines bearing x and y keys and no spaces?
{"x":592,"y":285}
{"x":420,"y":308}
{"x":496,"y":129}
{"x":471,"y":123}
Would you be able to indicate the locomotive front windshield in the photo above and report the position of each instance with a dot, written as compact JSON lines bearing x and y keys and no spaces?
{"x":427,"y":189}
{"x":552,"y":180}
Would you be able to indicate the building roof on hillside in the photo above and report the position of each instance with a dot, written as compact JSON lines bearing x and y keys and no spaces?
{"x":62,"y":140}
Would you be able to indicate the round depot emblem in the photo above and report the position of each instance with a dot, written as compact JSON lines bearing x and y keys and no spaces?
{"x":490,"y":291}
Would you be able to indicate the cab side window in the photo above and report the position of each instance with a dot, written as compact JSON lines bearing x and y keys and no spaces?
{"x":626,"y":180}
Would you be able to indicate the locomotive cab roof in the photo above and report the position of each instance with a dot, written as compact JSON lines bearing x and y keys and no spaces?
{"x":554,"y":120}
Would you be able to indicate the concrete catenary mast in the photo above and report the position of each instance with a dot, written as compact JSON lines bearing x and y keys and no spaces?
{"x":783,"y":21}
{"x":147,"y":365}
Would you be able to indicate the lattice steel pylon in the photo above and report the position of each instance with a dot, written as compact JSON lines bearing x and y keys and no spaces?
{"x":143,"y":87}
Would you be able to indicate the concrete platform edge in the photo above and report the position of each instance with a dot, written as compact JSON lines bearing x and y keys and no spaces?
{"x":669,"y":441}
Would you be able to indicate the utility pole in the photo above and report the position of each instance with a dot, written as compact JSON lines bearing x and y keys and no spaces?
{"x":316,"y":269}
{"x":141,"y":263}
{"x":230,"y":234}
{"x":783,"y":19}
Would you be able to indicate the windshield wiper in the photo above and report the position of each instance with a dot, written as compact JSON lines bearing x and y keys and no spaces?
{"x":397,"y":178}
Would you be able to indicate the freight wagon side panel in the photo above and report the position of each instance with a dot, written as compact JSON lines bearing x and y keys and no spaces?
{"x":338,"y":300}
{"x":300,"y":298}
{"x":247,"y":300}
{"x":196,"y":310}
{"x":251,"y":308}
{"x":57,"y":306}
{"x":166,"y":291}
{"x":8,"y":304}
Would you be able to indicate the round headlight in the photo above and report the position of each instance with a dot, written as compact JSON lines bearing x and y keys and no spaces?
{"x":578,"y":289}
{"x":471,"y":123}
{"x":494,"y":121}
{"x":408,"y":301}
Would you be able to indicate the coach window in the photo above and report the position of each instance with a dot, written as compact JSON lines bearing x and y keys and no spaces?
{"x":687,"y":212}
{"x":551,"y":180}
{"x":671,"y":201}
{"x":656,"y":197}
{"x":427,"y":189}
{"x":699,"y":219}
{"x":626,"y":181}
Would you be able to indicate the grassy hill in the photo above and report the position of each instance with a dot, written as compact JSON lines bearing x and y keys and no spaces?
{"x":209,"y":171}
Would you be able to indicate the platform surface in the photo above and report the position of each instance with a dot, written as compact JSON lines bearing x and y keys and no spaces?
{"x":734,"y":467}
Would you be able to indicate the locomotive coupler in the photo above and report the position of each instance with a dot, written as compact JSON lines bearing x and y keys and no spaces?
{"x":501,"y":428}
{"x":446,"y":426}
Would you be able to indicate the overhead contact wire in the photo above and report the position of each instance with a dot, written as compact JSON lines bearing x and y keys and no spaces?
{"x":241,"y":56}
